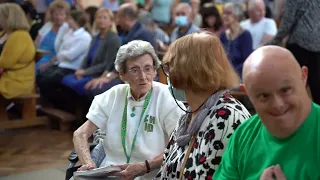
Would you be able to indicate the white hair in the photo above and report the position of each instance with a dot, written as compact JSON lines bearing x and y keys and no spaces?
{"x":132,"y":50}
{"x":185,"y":5}
{"x":236,"y":9}
{"x":252,"y":3}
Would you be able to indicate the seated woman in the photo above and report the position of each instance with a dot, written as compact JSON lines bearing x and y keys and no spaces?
{"x":70,"y":56}
{"x":50,"y":35}
{"x":236,"y":40}
{"x":198,"y":65}
{"x":17,"y":56}
{"x":101,"y":56}
{"x":211,"y":19}
{"x":138,"y":118}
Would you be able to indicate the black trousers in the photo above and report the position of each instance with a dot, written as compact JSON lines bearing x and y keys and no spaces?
{"x":50,"y":86}
{"x":312,"y":61}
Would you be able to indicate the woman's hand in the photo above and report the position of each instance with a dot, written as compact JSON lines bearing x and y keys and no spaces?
{"x":130,"y":171}
{"x":97,"y":83}
{"x":87,"y":167}
{"x":79,"y":73}
{"x":43,"y":67}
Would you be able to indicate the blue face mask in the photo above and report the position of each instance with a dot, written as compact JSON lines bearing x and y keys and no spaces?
{"x":181,"y":21}
{"x":177,"y":94}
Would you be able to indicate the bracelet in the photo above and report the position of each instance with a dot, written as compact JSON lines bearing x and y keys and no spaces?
{"x":148,"y":166}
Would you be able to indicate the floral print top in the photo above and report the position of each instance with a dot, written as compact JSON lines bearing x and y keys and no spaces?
{"x":210,"y":143}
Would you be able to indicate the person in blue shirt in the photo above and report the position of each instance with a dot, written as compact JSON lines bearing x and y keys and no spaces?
{"x":127,"y":19}
{"x":236,"y":40}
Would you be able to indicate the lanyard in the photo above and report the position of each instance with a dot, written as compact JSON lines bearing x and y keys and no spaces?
{"x":124,"y":124}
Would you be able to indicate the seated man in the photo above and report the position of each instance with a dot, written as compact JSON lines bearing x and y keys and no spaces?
{"x":282,"y":140}
{"x":183,"y":21}
{"x":262,"y":29}
{"x":127,"y":19}
{"x":138,"y":117}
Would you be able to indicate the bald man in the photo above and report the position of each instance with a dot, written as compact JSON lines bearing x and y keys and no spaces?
{"x":262,"y":29}
{"x":282,"y":140}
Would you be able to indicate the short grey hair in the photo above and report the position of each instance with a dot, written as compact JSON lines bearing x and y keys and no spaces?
{"x":237,"y":10}
{"x":133,"y":50}
{"x":184,"y":5}
{"x":252,"y":3}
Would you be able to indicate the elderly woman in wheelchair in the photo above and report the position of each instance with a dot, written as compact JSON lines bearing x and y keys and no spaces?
{"x":137,"y":117}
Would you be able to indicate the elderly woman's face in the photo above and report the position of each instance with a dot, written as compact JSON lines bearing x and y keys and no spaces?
{"x":227,"y":16}
{"x":140,"y":73}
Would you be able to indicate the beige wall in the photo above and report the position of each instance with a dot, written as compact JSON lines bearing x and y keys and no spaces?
{"x":91,"y":2}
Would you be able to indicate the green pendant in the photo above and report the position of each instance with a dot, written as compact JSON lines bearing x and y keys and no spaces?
{"x":132,"y":114}
{"x":134,"y":108}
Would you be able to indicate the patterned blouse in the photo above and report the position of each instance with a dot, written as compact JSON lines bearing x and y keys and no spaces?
{"x":210,"y":143}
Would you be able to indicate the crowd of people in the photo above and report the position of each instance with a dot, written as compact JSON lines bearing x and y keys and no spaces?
{"x":107,"y":59}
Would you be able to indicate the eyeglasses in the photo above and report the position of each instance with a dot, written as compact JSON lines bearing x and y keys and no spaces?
{"x":136,"y":70}
{"x":165,"y":68}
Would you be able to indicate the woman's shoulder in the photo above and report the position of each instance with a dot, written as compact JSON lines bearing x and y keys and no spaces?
{"x":227,"y":106}
{"x":19,"y":34}
{"x":112,"y":36}
{"x":114,"y":93}
{"x":160,"y":88}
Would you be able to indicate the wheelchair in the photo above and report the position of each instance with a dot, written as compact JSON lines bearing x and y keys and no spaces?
{"x":96,"y":151}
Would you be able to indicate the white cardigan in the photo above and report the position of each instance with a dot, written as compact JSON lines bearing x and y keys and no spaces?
{"x":74,"y":49}
{"x":46,"y":28}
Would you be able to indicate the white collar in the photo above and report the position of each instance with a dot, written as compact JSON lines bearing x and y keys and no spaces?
{"x":79,"y":31}
{"x":130,"y":96}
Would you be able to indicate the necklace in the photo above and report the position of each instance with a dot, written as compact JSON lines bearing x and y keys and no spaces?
{"x":124,"y":124}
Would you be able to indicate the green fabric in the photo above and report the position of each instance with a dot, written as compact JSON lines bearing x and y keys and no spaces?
{"x":138,"y":1}
{"x":252,"y":149}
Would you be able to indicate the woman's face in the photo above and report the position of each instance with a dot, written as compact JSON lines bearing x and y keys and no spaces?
{"x":72,"y":23}
{"x":140,"y":73}
{"x":59,"y":16}
{"x":103,"y":20}
{"x":211,"y":20}
{"x":227,"y":16}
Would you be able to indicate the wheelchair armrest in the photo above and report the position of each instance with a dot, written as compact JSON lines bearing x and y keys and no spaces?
{"x":73,"y":157}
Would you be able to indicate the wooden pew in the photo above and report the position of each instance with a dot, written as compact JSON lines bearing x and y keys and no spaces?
{"x":28,"y":112}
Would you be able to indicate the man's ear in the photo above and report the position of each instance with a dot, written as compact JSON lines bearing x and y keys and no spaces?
{"x":304,"y":75}
{"x":243,"y":88}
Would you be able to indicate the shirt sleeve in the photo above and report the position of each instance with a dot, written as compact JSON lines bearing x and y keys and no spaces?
{"x":287,"y":21}
{"x":170,"y":121}
{"x":71,"y":53}
{"x":96,"y":113}
{"x":271,"y":27}
{"x":227,"y":169}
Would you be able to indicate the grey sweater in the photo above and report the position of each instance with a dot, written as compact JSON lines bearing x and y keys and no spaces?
{"x":301,"y":21}
{"x":105,"y":55}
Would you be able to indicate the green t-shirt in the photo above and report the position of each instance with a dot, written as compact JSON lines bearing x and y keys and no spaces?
{"x":252,"y":149}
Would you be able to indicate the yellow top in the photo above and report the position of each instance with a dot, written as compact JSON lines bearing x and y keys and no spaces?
{"x":17,"y":61}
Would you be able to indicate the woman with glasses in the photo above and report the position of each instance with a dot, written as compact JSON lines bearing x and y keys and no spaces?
{"x":197,"y":64}
{"x":138,"y":117}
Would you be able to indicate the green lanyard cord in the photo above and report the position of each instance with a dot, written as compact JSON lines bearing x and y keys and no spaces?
{"x":124,"y":124}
